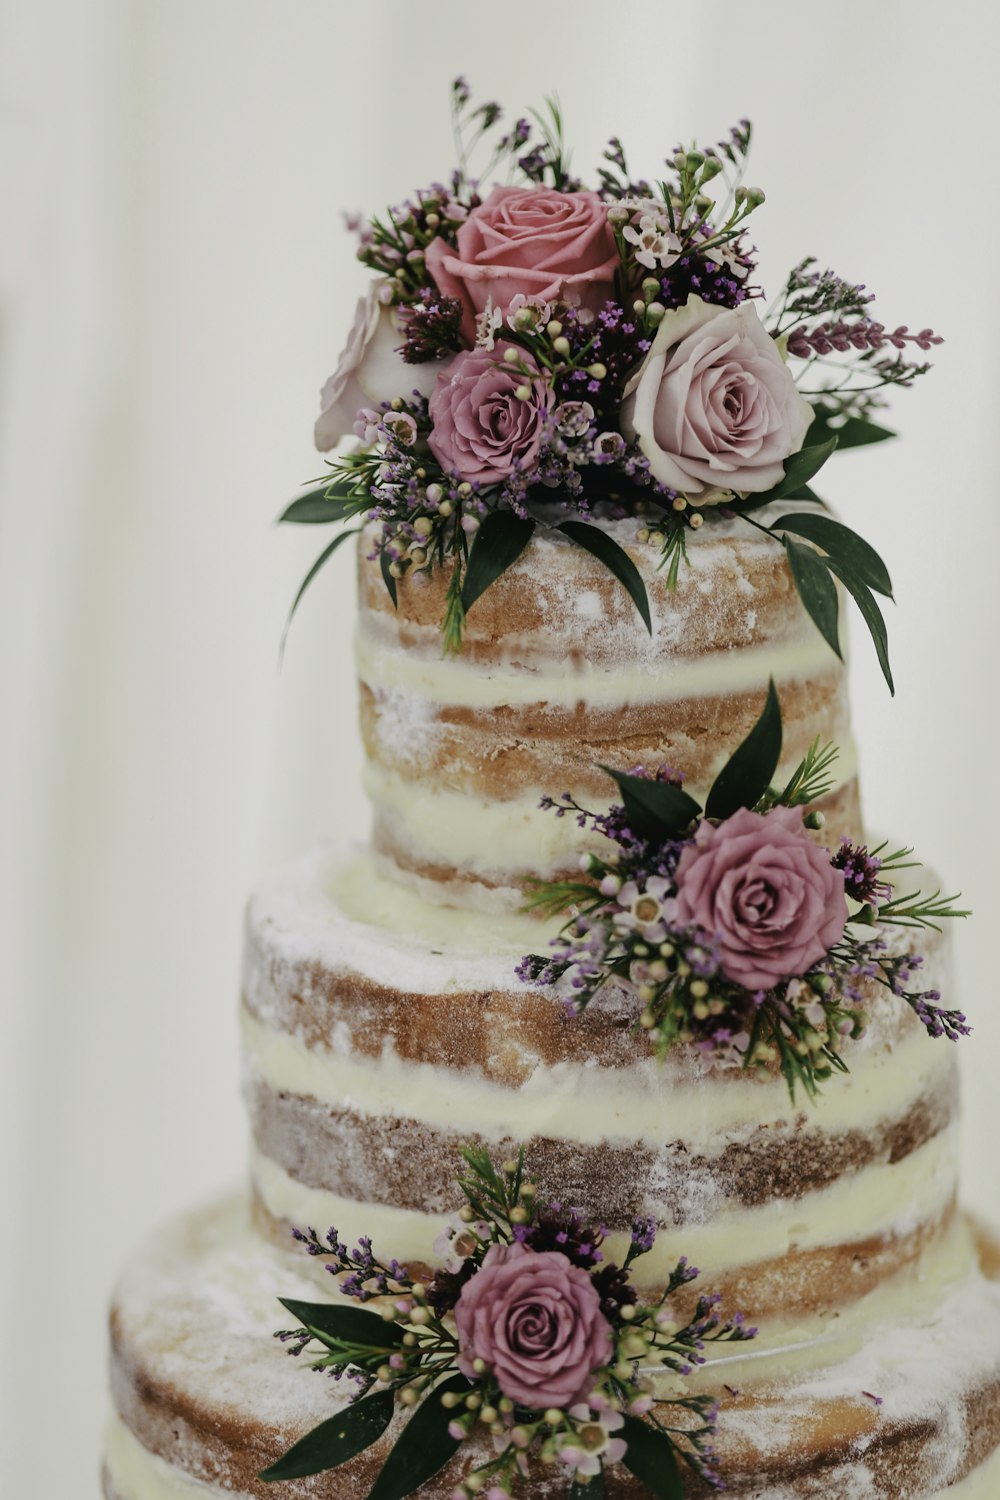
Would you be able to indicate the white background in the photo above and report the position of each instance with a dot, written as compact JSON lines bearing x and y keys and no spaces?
{"x":175,"y":284}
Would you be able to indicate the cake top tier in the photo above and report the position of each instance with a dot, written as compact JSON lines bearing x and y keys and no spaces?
{"x":548,"y":350}
{"x":558,"y":680}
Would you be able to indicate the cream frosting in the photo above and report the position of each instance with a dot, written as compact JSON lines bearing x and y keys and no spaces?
{"x":137,"y":1474}
{"x":594,"y":1106}
{"x":486,"y":836}
{"x":387,"y":667}
{"x":891,"y":1199}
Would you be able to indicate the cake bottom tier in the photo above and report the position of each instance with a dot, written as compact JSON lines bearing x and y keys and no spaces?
{"x":904,"y":1409}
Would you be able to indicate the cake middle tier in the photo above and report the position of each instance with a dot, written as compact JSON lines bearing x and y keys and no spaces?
{"x":558,"y":676}
{"x":382,"y":1032}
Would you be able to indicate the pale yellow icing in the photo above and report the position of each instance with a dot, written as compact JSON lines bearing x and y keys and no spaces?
{"x":578,"y":1101}
{"x":883,"y":1198}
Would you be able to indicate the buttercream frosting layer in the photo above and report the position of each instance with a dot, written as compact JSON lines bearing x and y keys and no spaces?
{"x":559,"y":677}
{"x":205,"y":1398}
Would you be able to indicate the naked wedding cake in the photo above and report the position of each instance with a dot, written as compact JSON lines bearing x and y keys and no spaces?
{"x":603,"y":1107}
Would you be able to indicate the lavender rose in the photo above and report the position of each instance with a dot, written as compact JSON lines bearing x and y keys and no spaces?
{"x":536,"y":1320}
{"x":480,"y":426}
{"x":713,"y":405}
{"x":536,"y":241}
{"x":370,"y":370}
{"x":759,"y":884}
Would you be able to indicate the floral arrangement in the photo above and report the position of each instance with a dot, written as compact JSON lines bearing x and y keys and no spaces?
{"x":736,"y":932}
{"x":525,"y":1338}
{"x":541,"y":353}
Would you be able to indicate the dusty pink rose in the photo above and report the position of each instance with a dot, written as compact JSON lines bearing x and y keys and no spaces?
{"x":536,"y":1320}
{"x":370,"y":370}
{"x":770,"y":895}
{"x":544,"y":244}
{"x":713,"y":406}
{"x":480,"y":427}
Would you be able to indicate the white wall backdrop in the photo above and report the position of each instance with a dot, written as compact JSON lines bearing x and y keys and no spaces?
{"x":174,"y":285}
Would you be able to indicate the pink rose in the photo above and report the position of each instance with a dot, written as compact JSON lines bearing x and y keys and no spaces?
{"x":536,"y":1320}
{"x":713,"y":405}
{"x":480,"y":427}
{"x":370,"y":370}
{"x":759,"y":884}
{"x":535,"y":241}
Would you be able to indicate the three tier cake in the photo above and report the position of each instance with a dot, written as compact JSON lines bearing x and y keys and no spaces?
{"x":619,"y":988}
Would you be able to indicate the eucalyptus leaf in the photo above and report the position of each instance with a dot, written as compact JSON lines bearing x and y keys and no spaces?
{"x":499,"y":542}
{"x":801,"y":467}
{"x":387,"y":578}
{"x":817,"y":589}
{"x":750,"y":769}
{"x":615,"y":558}
{"x":852,"y":432}
{"x":804,"y":492}
{"x":346,"y":1324}
{"x":324,"y":557}
{"x":650,"y":1457}
{"x":851,"y":551}
{"x":424,"y":1446}
{"x":336,"y":1440}
{"x":656,"y":809}
{"x":329,"y":502}
{"x":872,"y":616}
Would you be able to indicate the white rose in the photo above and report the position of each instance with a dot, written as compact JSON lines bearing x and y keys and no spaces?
{"x":370,"y":370}
{"x":713,"y":406}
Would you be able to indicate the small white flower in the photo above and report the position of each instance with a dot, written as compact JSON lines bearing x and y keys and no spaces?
{"x":657,"y":244}
{"x":647,"y":908}
{"x":726,"y":255}
{"x":608,"y":446}
{"x":573,"y":418}
{"x":540,"y":312}
{"x":584,"y":1449}
{"x":402,"y":427}
{"x":487,"y":323}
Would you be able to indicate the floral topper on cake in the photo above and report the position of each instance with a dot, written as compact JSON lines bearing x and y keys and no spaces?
{"x":734,"y":929}
{"x":541,"y":353}
{"x":527,"y":1346}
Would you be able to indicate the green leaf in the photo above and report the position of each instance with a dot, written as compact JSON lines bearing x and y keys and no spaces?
{"x":349,"y":1325}
{"x":750,"y":769}
{"x":324,"y":557}
{"x":336,"y":1440}
{"x":332,"y":501}
{"x":817,"y":589}
{"x":424,"y":1446}
{"x":656,"y":809}
{"x":650,"y":1457}
{"x":851,"y":551}
{"x":872,"y":616}
{"x":853,"y":432}
{"x":615,"y":558}
{"x":801,"y":467}
{"x":498,"y":544}
{"x":805,"y":493}
{"x":387,"y":578}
